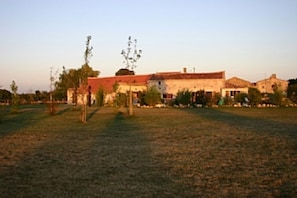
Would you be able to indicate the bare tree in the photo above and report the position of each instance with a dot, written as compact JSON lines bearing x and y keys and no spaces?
{"x":131,"y":58}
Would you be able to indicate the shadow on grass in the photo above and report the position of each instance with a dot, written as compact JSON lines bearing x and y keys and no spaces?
{"x":125,"y":165}
{"x":108,"y":158}
{"x":90,"y":115}
{"x":27,"y":115}
{"x":11,"y":122}
{"x":257,"y":124}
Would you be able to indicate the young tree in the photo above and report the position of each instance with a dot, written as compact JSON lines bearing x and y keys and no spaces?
{"x":51,"y":104}
{"x":84,"y":78}
{"x":15,"y":97}
{"x":131,"y":57}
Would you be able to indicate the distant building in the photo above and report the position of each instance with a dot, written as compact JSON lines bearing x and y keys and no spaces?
{"x":234,"y":86}
{"x":269,"y":84}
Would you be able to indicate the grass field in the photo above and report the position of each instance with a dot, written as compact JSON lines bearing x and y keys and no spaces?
{"x":204,"y":152}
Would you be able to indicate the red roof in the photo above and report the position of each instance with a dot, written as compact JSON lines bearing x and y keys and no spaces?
{"x":108,"y":82}
{"x":164,"y":76}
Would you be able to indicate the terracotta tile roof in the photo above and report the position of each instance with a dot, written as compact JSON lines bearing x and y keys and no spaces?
{"x":164,"y":76}
{"x":108,"y":82}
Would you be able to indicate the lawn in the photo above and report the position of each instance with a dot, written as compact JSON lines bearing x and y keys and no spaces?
{"x":199,"y":152}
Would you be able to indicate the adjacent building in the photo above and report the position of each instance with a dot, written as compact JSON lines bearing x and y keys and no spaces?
{"x":272,"y":83}
{"x":170,"y":83}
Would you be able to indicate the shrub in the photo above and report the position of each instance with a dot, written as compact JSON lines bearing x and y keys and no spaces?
{"x":152,"y":96}
{"x":254,"y":96}
{"x":100,"y":97}
{"x":201,"y":98}
{"x":184,"y":97}
{"x":241,"y":97}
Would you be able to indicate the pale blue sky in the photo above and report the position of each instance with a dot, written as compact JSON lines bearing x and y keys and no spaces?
{"x":249,"y":39}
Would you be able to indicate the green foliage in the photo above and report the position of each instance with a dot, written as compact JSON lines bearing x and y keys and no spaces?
{"x":292,"y":90}
{"x":240,"y":97}
{"x":254,"y":96}
{"x":152,"y":96}
{"x":277,"y":98}
{"x":5,"y":96}
{"x":15,"y":97}
{"x":201,"y":97}
{"x":100,"y":97}
{"x":184,"y":97}
{"x":216,"y":98}
{"x":71,"y":79}
{"x":124,"y":72}
{"x":228,"y":100}
{"x":141,"y":96}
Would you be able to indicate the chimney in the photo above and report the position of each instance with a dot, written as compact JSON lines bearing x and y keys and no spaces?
{"x":185,"y":70}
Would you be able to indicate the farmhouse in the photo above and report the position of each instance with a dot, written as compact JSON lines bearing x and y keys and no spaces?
{"x":169,"y":83}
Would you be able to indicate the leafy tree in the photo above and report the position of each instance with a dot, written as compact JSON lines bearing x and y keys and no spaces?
{"x":254,"y":96}
{"x":5,"y":95}
{"x":72,"y":78}
{"x":184,"y":97}
{"x":15,"y":97}
{"x":292,"y":90}
{"x":124,"y":72}
{"x":152,"y":96}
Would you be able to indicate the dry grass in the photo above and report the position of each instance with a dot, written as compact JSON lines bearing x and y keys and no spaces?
{"x":157,"y":153}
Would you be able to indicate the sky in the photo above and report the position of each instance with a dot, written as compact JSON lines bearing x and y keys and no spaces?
{"x":249,"y":39}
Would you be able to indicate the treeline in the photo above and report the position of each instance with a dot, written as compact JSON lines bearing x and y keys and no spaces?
{"x":24,"y":98}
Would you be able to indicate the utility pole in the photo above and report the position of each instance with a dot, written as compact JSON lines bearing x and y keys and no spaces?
{"x":131,"y":58}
